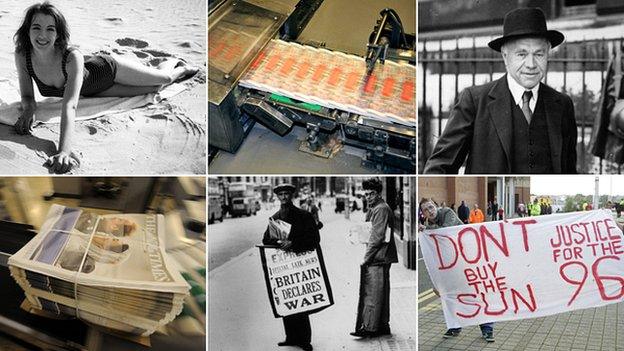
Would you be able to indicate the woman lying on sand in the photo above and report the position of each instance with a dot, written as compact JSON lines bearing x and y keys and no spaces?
{"x":43,"y":54}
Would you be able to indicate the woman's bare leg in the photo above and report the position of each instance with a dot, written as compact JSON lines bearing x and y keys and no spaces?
{"x":120,"y":90}
{"x":134,"y":73}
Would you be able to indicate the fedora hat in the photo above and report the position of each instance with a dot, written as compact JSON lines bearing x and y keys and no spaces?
{"x":526,"y":22}
{"x":284,"y":187}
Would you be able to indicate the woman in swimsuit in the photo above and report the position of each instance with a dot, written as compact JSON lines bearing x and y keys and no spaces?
{"x":42,"y":54}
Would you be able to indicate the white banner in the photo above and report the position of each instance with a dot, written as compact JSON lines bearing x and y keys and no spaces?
{"x":296,"y":282}
{"x":525,"y":267}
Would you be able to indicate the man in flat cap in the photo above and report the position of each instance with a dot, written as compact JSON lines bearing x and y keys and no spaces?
{"x":513,"y":125}
{"x":373,"y":317}
{"x":303,"y":236}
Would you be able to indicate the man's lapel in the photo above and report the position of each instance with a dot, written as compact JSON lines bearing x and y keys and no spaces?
{"x":501,"y":116}
{"x":553,"y":109}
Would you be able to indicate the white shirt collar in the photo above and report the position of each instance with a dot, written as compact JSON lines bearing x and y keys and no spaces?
{"x":517,"y":90}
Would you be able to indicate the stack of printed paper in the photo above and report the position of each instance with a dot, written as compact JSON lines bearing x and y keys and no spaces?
{"x":108,"y":270}
{"x":335,"y":80}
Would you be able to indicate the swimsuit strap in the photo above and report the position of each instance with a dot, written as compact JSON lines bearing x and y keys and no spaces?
{"x":29,"y":66}
{"x":64,"y":65}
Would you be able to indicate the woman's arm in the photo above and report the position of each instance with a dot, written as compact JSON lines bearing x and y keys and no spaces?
{"x":62,"y":162}
{"x":29,"y":105}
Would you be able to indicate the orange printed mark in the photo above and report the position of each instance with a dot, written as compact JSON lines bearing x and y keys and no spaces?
{"x":334,"y":76}
{"x":407,"y":92}
{"x":352,"y":80}
{"x":217,"y":49}
{"x":386,"y":90}
{"x":303,"y":70}
{"x":318,"y":74}
{"x":287,"y":67}
{"x":233,"y":52}
{"x":369,"y":87}
{"x":273,"y":61}
{"x":257,"y":61}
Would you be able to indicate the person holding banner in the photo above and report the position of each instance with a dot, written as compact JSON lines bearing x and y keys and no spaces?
{"x":303,"y":236}
{"x":374,"y":303}
{"x":441,"y":218}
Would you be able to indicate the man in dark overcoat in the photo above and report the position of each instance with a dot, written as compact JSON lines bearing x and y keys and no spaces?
{"x":516,"y":124}
{"x":303,"y":236}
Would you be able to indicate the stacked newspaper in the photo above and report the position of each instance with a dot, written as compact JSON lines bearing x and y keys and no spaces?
{"x":109,"y":270}
{"x":278,"y":229}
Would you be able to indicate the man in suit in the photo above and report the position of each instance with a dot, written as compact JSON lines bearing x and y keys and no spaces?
{"x":374,"y":304}
{"x":303,"y":236}
{"x":515,"y":124}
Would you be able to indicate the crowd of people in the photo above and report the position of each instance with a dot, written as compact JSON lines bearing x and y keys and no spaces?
{"x":495,"y":212}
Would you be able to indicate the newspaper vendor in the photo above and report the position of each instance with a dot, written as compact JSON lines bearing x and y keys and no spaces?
{"x":302,"y":236}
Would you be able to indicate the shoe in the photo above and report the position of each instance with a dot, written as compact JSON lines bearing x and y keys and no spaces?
{"x":451,"y":333}
{"x":306,"y":347}
{"x":360,"y":334}
{"x":488,"y":336}
{"x":286,"y":343}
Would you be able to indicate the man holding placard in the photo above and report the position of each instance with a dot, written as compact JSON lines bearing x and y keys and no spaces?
{"x":440,"y":218}
{"x":525,"y":267}
{"x":295,"y":231}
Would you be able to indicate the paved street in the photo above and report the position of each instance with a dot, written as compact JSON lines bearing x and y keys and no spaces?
{"x":239,"y":304}
{"x":589,"y":329}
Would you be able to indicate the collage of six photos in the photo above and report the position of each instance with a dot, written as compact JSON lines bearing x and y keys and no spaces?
{"x":312,"y":174}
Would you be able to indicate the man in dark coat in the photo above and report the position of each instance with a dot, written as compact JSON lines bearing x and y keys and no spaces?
{"x":303,"y":236}
{"x":514,"y":124}
{"x":374,"y":303}
{"x":463,"y":212}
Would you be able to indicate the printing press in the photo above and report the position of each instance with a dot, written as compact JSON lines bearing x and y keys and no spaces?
{"x":260,"y":72}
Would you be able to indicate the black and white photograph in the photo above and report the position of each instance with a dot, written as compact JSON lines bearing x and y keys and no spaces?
{"x":520,"y":86}
{"x":103,"y":87}
{"x":303,"y":263}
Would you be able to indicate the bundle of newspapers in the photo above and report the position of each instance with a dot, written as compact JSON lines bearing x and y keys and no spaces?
{"x":108,"y":270}
{"x":278,"y":229}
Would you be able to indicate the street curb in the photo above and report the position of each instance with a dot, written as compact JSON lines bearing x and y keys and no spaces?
{"x":229,"y":262}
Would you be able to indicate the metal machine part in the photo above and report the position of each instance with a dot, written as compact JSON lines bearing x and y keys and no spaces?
{"x":299,"y":18}
{"x":389,"y":147}
{"x":237,"y":31}
{"x":389,"y":41}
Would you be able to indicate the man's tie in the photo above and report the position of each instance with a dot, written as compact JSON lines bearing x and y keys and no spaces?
{"x":526,"y":97}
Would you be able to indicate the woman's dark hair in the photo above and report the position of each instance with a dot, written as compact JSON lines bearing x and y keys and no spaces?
{"x":22,"y":37}
{"x":372,"y":184}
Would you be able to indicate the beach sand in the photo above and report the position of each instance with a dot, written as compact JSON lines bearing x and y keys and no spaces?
{"x":164,"y":138}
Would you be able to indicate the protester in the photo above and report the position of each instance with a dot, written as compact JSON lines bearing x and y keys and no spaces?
{"x":494,"y":210}
{"x":303,"y":236}
{"x":463,"y":212}
{"x":374,"y":304}
{"x":440,"y":218}
{"x":476,"y":215}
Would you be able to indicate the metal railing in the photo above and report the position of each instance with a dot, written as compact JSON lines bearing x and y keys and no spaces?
{"x":584,"y":60}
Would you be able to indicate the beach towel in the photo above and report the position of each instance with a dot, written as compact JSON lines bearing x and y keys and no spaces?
{"x":49,"y":109}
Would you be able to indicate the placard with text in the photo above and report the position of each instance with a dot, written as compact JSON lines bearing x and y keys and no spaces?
{"x":296,"y":282}
{"x":525,"y":267}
